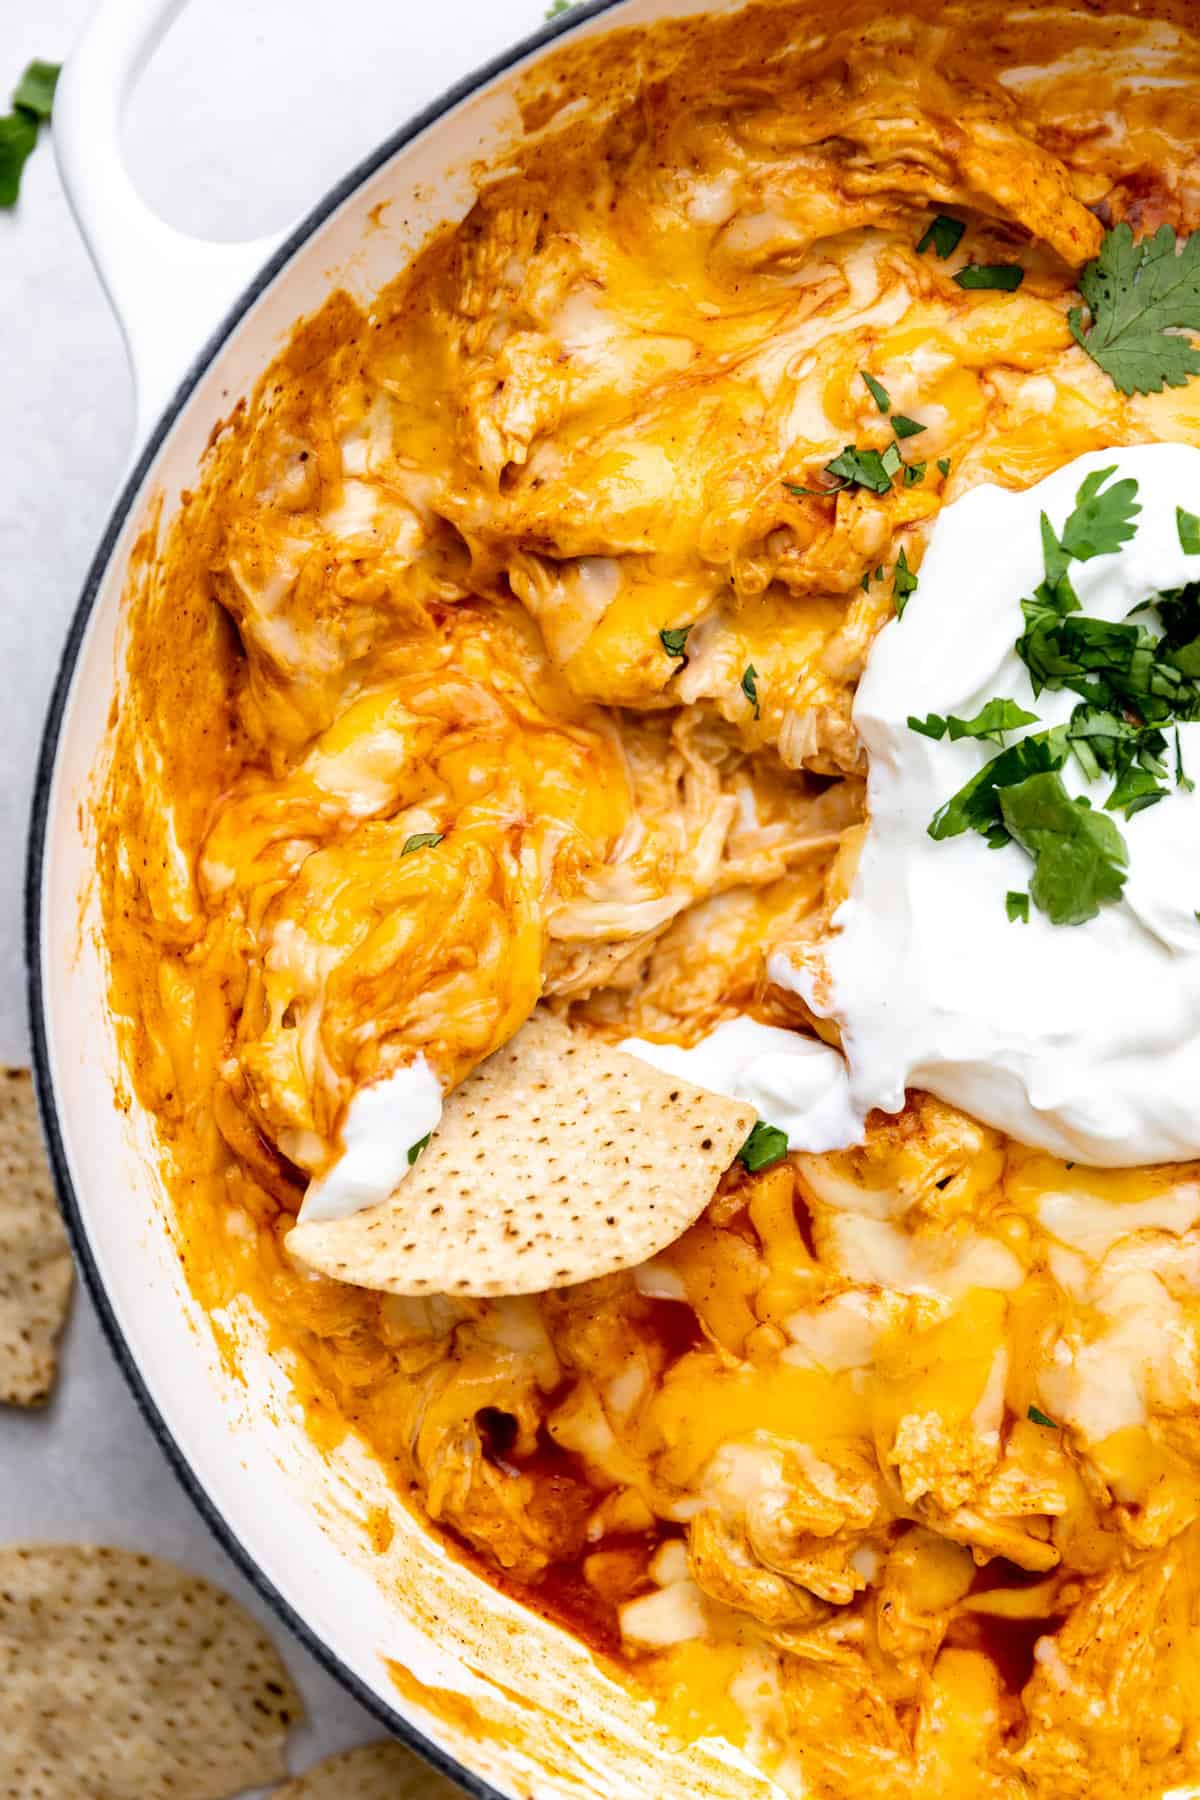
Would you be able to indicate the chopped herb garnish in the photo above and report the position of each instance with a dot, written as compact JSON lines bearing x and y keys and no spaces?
{"x":765,"y":1146}
{"x":891,"y":461}
{"x":944,"y":465}
{"x":931,"y":726}
{"x":1182,"y":778}
{"x":557,"y":8}
{"x":976,"y":805}
{"x":863,"y":468}
{"x":904,"y":584}
{"x":1189,"y":531}
{"x":414,"y":1150}
{"x":1102,"y":518}
{"x":32,"y":104}
{"x":674,"y":640}
{"x":1016,"y":905}
{"x":18,"y":135}
{"x":421,"y":840}
{"x":1005,"y":277}
{"x":879,"y":572}
{"x":904,"y":427}
{"x":866,"y":581}
{"x":1035,"y":1413}
{"x":1138,"y":297}
{"x":878,"y":392}
{"x":1080,"y":860}
{"x":35,"y":90}
{"x":943,"y":236}
{"x":750,"y":688}
{"x":992,"y":720}
{"x":913,"y":473}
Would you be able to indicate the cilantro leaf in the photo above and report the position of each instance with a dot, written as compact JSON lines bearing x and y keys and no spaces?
{"x":891,"y":462}
{"x":944,"y":464}
{"x":1080,"y":858}
{"x":976,"y":805}
{"x":1182,"y":778}
{"x":904,"y":427}
{"x":765,"y":1146}
{"x":1038,"y":1417}
{"x":913,"y":473}
{"x":674,"y":640}
{"x":35,"y":90}
{"x":1005,"y":277}
{"x":991,"y":721}
{"x":557,"y":8}
{"x":943,"y":236}
{"x":904,"y":584}
{"x":421,"y":840}
{"x":1137,"y":296}
{"x":18,"y":135}
{"x":414,"y":1150}
{"x":864,"y":468}
{"x":1188,"y":526}
{"x":1102,"y":519}
{"x":931,"y":726}
{"x":750,"y":688}
{"x":1016,"y":905}
{"x":878,"y":392}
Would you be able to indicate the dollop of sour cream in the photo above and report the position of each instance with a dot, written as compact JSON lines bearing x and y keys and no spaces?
{"x":1083,"y":1040}
{"x":384,"y":1121}
{"x":796,"y":1083}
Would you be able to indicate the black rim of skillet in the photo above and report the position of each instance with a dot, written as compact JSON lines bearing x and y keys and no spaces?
{"x":222,"y":1530}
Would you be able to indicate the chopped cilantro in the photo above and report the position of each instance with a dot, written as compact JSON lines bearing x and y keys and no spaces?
{"x":976,"y":805}
{"x":674,"y":640}
{"x":1188,"y":526}
{"x":35,"y":90}
{"x":944,"y":465}
{"x":1079,"y":857}
{"x":891,"y":462}
{"x":32,"y":103}
{"x":18,"y":135}
{"x":750,"y":688}
{"x":1182,"y":778}
{"x":557,"y":8}
{"x":1138,"y":297}
{"x":879,"y":572}
{"x":931,"y":726}
{"x":1102,"y":518}
{"x":1035,"y":1413}
{"x":913,"y":473}
{"x":1016,"y":905}
{"x":904,"y":427}
{"x":765,"y":1146}
{"x":863,"y":468}
{"x":414,"y":1150}
{"x":421,"y":840}
{"x":904,"y":584}
{"x":992,"y":721}
{"x":878,"y":392}
{"x":943,"y":236}
{"x":865,"y":583}
{"x":1005,"y":277}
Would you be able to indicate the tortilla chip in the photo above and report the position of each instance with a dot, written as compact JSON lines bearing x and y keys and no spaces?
{"x":558,"y":1160}
{"x":125,"y":1678}
{"x":376,"y":1772}
{"x":35,"y":1258}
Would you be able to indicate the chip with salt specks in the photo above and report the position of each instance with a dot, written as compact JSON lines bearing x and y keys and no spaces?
{"x":125,"y":1678}
{"x":35,"y":1258}
{"x":558,"y":1160}
{"x":376,"y":1772}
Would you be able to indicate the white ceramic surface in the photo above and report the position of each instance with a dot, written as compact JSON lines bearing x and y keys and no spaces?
{"x":542,"y":1722}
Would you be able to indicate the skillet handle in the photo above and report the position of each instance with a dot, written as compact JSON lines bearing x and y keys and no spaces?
{"x":169,"y":291}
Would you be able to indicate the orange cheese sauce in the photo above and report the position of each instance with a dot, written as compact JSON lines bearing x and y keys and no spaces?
{"x":888,"y":1470}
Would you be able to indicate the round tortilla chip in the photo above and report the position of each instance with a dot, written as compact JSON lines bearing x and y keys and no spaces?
{"x":36,"y":1272}
{"x":383,"y":1771}
{"x":125,"y":1678}
{"x":557,"y":1160}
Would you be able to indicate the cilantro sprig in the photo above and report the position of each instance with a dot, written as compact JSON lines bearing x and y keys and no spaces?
{"x":765,"y":1146}
{"x":1137,"y":297}
{"x":32,"y":102}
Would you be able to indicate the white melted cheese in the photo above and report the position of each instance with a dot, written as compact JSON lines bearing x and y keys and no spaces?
{"x":792,"y":1081}
{"x":1083,"y":1040}
{"x":383,"y":1122}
